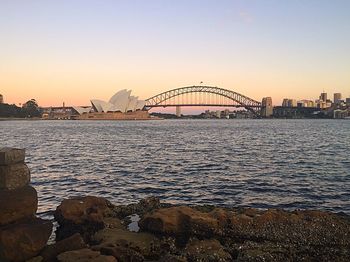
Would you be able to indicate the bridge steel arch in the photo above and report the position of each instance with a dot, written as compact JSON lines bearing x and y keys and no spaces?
{"x":240,"y":100}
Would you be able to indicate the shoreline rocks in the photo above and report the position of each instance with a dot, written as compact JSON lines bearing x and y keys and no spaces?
{"x":22,"y":235}
{"x":184,"y":233}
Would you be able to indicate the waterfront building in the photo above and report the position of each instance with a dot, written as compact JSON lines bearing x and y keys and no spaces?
{"x":267,"y":108}
{"x":337,"y":98}
{"x":122,"y":102}
{"x":293,"y":103}
{"x":121,"y":106}
{"x":306,"y":103}
{"x":289,"y":102}
{"x":311,"y":103}
{"x":301,"y":104}
{"x":338,"y":113}
{"x":82,"y":109}
{"x":295,"y":112}
{"x":285,"y":102}
{"x":1,"y":99}
{"x":58,"y":112}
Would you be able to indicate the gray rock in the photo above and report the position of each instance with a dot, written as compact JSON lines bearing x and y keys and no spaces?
{"x":9,"y":156}
{"x":14,"y":176}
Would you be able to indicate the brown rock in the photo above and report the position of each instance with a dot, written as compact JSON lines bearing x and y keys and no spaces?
{"x":122,"y":254}
{"x":17,"y":204}
{"x":84,"y":255}
{"x":172,"y":258}
{"x":144,"y":243}
{"x":14,"y":176}
{"x":75,"y":242}
{"x":24,"y":240}
{"x":36,"y":259}
{"x":206,"y":250}
{"x":179,"y":220}
{"x":9,"y":156}
{"x":84,"y":215}
{"x":79,"y":210}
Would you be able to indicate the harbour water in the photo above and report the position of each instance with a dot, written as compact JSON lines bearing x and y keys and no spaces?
{"x":291,"y":164}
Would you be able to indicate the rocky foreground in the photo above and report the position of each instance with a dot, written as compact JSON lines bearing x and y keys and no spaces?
{"x":93,"y":229}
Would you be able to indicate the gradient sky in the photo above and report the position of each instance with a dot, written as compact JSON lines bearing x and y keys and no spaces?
{"x":72,"y":51}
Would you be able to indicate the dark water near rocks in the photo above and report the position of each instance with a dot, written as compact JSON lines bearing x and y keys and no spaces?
{"x":258,"y":163}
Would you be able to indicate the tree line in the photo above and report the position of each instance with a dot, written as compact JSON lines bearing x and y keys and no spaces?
{"x":28,"y":110}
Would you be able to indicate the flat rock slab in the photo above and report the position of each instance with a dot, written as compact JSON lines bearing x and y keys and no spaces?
{"x":50,"y":252}
{"x":84,"y":255}
{"x":14,"y":176}
{"x":17,"y":204}
{"x":9,"y":156}
{"x":22,"y":241}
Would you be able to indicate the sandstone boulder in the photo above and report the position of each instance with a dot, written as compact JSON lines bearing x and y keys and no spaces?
{"x":17,"y":204}
{"x":24,"y":240}
{"x":180,"y":220}
{"x":146,"y":244}
{"x":14,"y":176}
{"x":9,"y":156}
{"x":84,"y":255}
{"x":79,"y":210}
{"x":122,"y":254}
{"x":84,"y":215}
{"x":50,"y":252}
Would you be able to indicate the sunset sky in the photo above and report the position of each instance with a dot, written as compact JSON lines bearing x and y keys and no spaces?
{"x":72,"y":51}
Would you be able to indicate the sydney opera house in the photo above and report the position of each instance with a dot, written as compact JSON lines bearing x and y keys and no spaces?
{"x":120,"y":106}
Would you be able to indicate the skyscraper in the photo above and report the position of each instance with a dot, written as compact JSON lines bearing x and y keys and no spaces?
{"x":323,"y":97}
{"x":1,"y":99}
{"x":285,"y":102}
{"x":337,"y":98}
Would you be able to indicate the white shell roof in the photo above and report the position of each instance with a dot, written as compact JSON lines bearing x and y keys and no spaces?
{"x":82,"y":110}
{"x":140,"y":104}
{"x":121,"y":101}
{"x":132,"y":103}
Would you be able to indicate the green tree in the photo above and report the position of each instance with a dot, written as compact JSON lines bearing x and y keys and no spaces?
{"x":31,"y":109}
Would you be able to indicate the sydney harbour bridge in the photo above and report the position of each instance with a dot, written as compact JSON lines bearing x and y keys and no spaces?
{"x":204,"y":96}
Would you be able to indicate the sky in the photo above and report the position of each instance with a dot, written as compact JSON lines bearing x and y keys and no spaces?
{"x":74,"y":50}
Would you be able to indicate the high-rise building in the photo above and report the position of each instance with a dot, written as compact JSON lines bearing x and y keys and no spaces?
{"x":285,"y":102}
{"x":306,"y":103}
{"x":289,"y":102}
{"x":348,"y":101}
{"x":1,"y":99}
{"x":323,"y":97}
{"x":267,"y":108}
{"x":292,"y":103}
{"x":337,"y":98}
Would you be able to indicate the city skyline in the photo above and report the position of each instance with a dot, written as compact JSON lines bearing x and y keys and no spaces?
{"x":69,"y":52}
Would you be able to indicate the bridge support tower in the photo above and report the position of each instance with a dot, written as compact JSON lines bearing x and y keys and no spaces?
{"x":178,"y":111}
{"x":266,"y":107}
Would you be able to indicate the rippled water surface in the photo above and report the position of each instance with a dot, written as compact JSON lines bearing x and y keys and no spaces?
{"x":258,"y":163}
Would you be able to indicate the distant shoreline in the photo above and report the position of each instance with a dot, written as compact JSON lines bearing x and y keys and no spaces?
{"x":15,"y":119}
